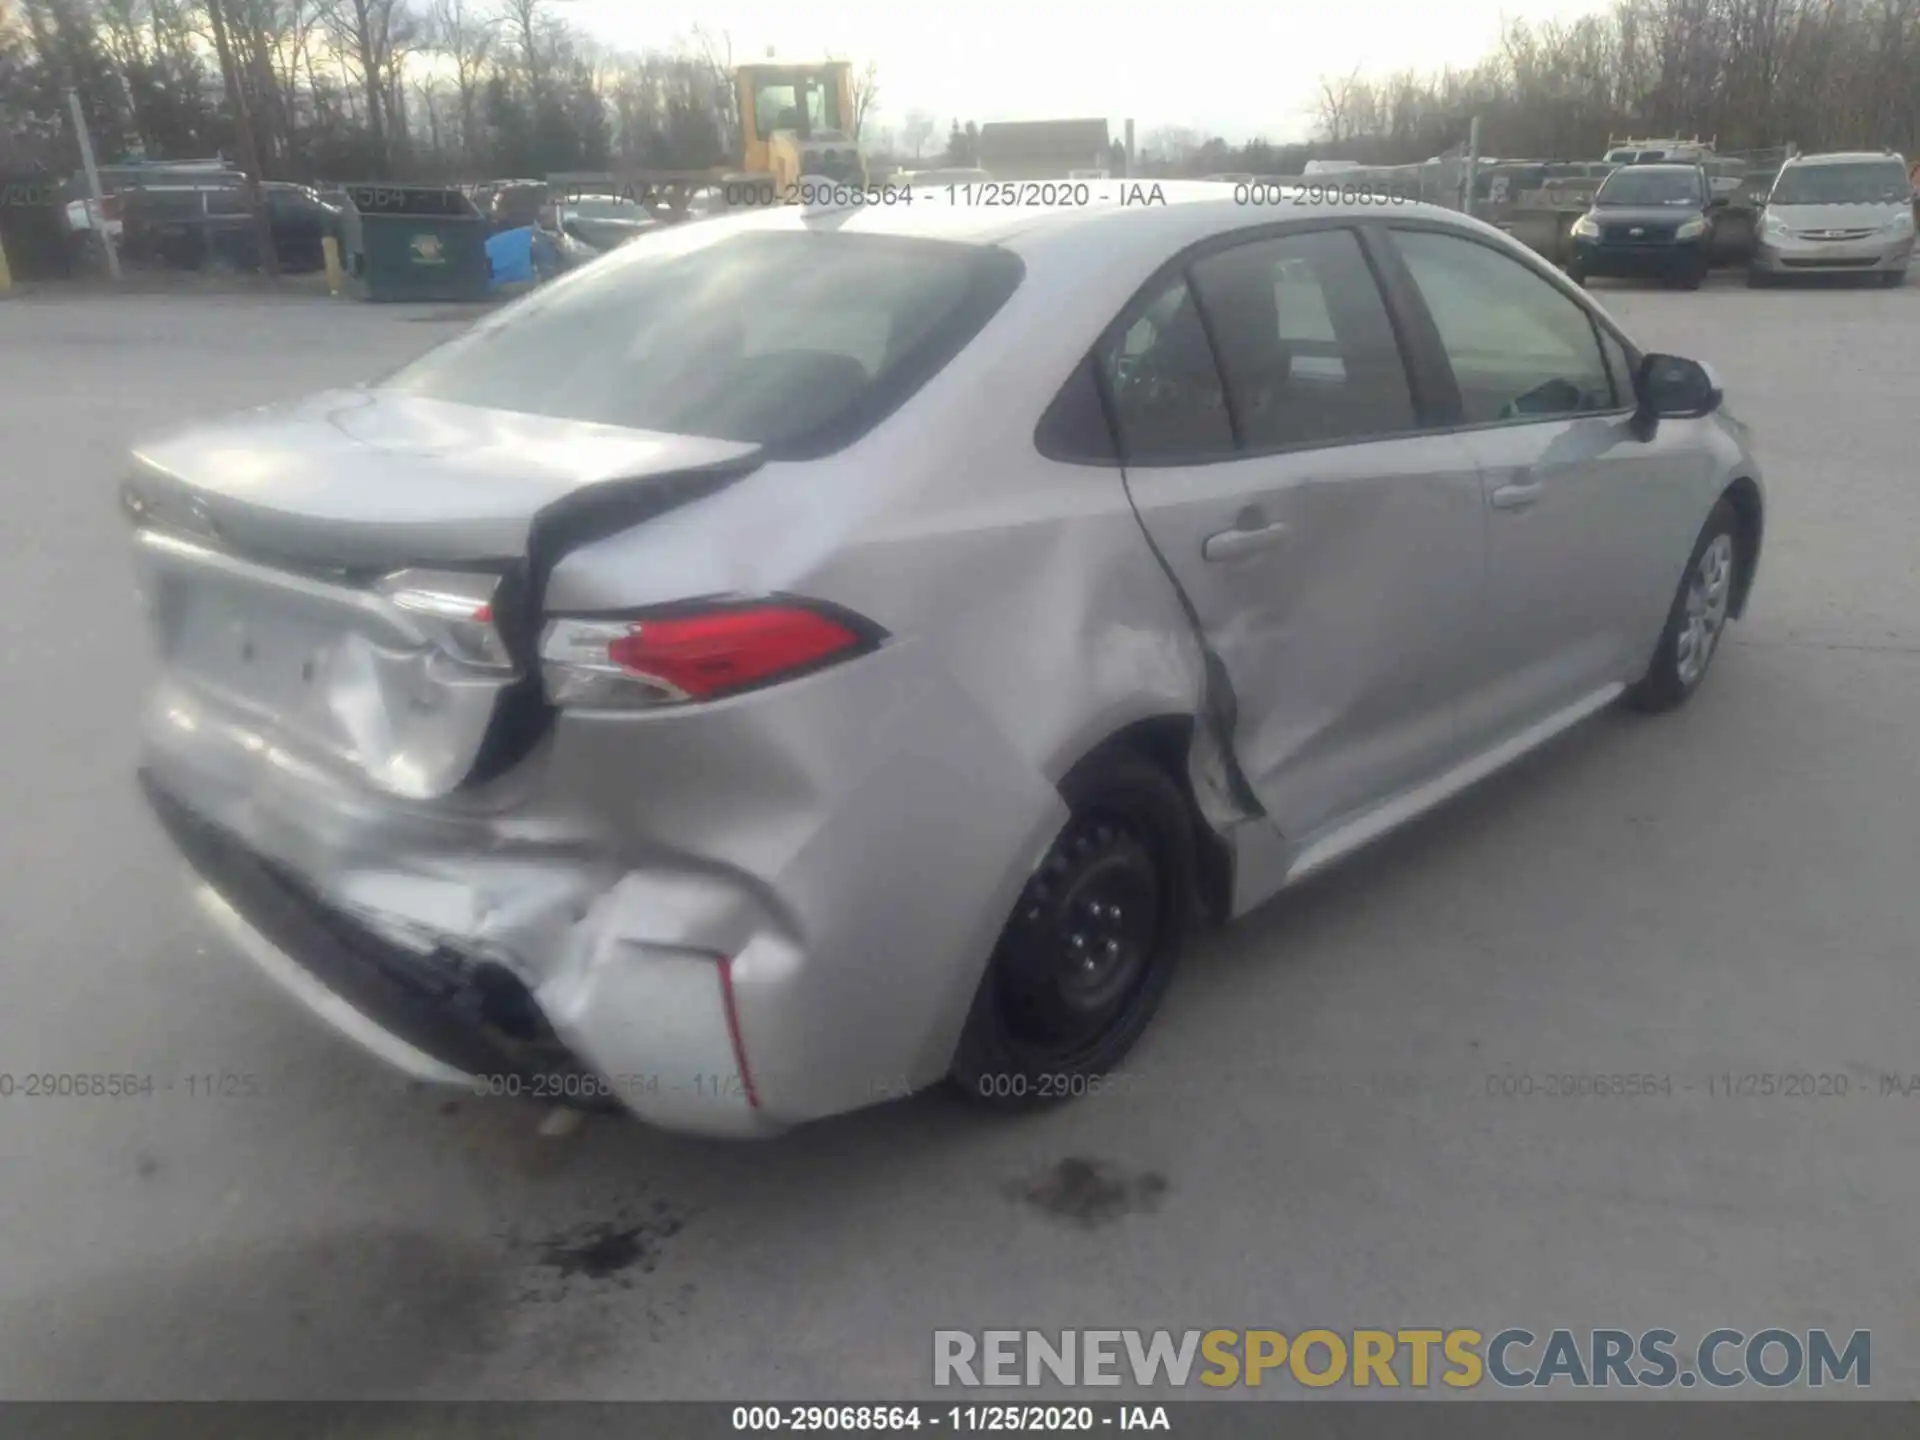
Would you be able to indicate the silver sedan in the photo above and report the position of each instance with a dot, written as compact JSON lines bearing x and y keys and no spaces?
{"x":807,"y":657}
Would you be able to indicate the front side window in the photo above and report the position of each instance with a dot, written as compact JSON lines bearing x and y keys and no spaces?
{"x":1167,"y":396}
{"x":779,"y":105}
{"x":1309,"y":353}
{"x":1519,"y":348}
{"x":796,"y":340}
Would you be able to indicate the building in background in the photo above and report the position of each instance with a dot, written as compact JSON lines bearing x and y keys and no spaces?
{"x":1044,"y":149}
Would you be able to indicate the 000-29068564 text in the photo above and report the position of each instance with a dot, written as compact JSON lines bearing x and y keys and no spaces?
{"x":1274,"y":193}
{"x":882,"y":1419}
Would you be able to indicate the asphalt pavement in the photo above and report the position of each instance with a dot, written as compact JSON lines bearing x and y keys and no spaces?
{"x":1307,"y":1136}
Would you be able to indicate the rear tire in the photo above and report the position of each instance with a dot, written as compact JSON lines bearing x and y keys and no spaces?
{"x":1758,"y":279}
{"x":1697,"y":619}
{"x":1577,"y":275}
{"x":1893,"y":279}
{"x":1091,"y":946}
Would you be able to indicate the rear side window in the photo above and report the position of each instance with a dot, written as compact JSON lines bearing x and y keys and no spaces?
{"x":1168,"y":401}
{"x":800,"y":341}
{"x":1309,"y":353}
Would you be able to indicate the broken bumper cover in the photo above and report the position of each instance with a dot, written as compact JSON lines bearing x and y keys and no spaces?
{"x":445,"y":1019}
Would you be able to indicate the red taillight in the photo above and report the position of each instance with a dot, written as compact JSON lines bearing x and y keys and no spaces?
{"x":693,"y":656}
{"x":705,"y":655}
{"x":110,"y":207}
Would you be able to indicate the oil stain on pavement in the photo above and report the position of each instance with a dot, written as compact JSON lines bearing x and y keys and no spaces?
{"x":1090,"y":1193}
{"x":597,"y":1252}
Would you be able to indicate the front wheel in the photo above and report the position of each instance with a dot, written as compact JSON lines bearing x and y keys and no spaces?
{"x":1893,"y":279}
{"x":1577,"y":274}
{"x":1757,"y":279}
{"x":1697,"y":619}
{"x":1091,"y":946}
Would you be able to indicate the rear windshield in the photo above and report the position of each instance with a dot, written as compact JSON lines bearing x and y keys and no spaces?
{"x":1650,"y":187}
{"x":1869,"y":182}
{"x":797,"y":340}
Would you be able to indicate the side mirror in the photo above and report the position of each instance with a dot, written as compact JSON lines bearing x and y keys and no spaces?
{"x":1670,"y":386}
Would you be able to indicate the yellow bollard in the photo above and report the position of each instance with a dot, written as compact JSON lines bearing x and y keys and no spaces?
{"x":330,"y":252}
{"x":6,"y":275}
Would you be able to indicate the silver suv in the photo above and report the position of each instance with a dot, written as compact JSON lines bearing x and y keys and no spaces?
{"x":1837,"y":213}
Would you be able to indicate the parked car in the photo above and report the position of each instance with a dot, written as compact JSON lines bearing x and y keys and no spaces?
{"x":512,"y":204}
{"x":1846,"y":213}
{"x":742,"y":712}
{"x":1648,"y":220}
{"x":187,"y":223}
{"x":88,"y":219}
{"x":584,"y":227}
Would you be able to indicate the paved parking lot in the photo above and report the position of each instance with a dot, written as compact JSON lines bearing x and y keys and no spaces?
{"x":1308,"y":1138}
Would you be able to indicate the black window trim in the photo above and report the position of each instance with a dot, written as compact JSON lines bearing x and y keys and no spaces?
{"x":1434,"y":351}
{"x":1431,"y":417}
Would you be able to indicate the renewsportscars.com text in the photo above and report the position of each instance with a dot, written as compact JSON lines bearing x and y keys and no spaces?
{"x":1459,"y":1358}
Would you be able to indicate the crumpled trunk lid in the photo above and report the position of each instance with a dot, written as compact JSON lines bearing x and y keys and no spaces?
{"x":354,"y":581}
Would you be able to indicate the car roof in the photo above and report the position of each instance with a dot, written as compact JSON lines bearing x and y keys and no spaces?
{"x":1115,"y":207}
{"x":1847,"y":157}
{"x":1688,"y":165}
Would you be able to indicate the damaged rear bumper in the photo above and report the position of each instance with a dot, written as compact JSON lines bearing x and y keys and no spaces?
{"x":446,"y":1019}
{"x":729,"y":920}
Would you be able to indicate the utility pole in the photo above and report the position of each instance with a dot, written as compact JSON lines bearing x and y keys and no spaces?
{"x":249,"y":150}
{"x":98,"y":202}
{"x":1473,"y":162}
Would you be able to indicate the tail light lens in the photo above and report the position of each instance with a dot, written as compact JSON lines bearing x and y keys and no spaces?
{"x":644,"y":661}
{"x":110,"y":206}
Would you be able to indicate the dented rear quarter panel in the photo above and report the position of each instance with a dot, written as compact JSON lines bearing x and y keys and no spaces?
{"x":853,"y":840}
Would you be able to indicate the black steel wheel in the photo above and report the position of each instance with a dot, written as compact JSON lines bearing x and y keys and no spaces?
{"x":1091,"y":946}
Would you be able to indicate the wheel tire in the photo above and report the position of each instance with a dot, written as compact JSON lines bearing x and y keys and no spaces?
{"x":1893,"y":279}
{"x":1577,"y":276}
{"x":1671,"y":679}
{"x":1758,"y":279}
{"x":1693,"y":277}
{"x":1032,"y":1038}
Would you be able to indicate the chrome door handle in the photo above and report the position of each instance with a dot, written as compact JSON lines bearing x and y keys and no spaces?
{"x":1516,"y":497}
{"x":1232,"y":544}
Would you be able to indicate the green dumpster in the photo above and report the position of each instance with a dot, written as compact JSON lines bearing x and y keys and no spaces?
{"x":413,"y":242}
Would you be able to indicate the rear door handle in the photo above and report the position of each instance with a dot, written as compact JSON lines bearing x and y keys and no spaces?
{"x":1241,"y":541}
{"x":1516,"y":497}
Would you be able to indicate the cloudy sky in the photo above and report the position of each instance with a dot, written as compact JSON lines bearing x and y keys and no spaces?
{"x":1232,"y":69}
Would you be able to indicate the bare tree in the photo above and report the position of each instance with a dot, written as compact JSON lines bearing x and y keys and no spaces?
{"x":528,"y":24}
{"x":465,"y":37}
{"x":866,"y":96}
{"x":915,"y":130}
{"x":372,"y":38}
{"x":716,"y":53}
{"x":1338,"y":98}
